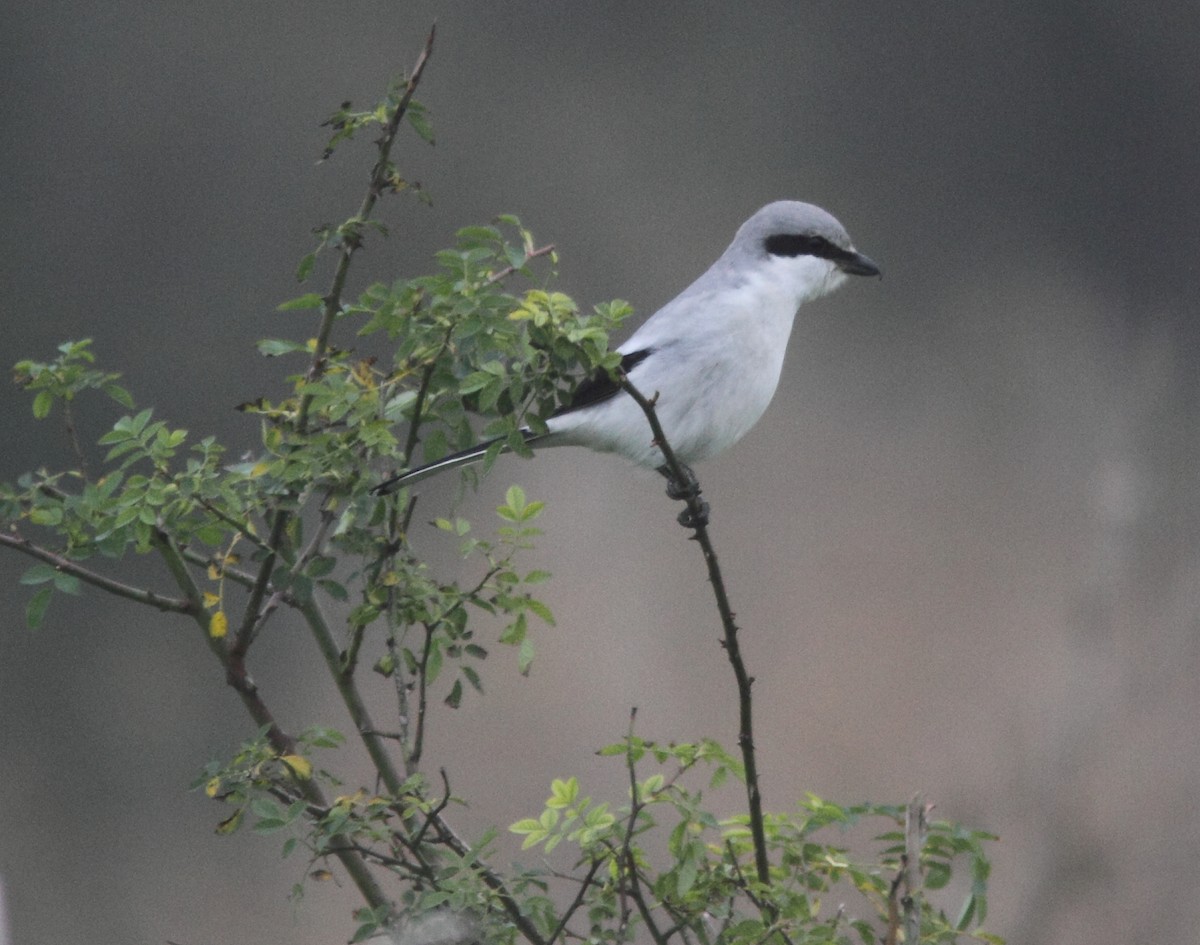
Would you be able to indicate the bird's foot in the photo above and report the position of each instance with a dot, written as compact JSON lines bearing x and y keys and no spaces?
{"x":681,"y":491}
{"x":696,"y":513}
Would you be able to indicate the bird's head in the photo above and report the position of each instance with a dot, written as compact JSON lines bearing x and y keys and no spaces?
{"x":802,"y":244}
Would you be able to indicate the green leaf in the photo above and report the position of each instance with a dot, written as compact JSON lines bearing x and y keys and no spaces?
{"x":335,"y":590}
{"x":541,"y":610}
{"x":274,"y":347}
{"x":525,"y":657}
{"x":472,"y":677}
{"x":307,"y":301}
{"x":39,"y":574}
{"x":120,"y":395}
{"x":67,"y":583}
{"x":966,"y":914}
{"x":306,"y":266}
{"x":35,"y":611}
{"x":937,"y":874}
{"x":419,"y":119}
{"x":515,"y":632}
{"x":42,"y":404}
{"x":685,"y":879}
{"x":563,"y":793}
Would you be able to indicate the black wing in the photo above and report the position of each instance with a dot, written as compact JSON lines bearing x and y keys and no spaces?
{"x":600,"y":386}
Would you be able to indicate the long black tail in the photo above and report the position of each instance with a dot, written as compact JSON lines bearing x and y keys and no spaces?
{"x":465,"y":457}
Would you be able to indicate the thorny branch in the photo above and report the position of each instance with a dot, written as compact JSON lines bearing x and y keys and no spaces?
{"x":696,"y":518}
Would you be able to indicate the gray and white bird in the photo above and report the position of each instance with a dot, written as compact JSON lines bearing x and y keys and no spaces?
{"x":712,"y":355}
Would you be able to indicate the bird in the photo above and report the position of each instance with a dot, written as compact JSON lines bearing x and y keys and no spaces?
{"x":711,"y":358}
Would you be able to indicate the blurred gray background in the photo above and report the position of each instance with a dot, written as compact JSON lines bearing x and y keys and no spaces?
{"x":962,"y":543}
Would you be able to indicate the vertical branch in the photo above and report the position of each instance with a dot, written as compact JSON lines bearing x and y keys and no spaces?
{"x":333,"y":299}
{"x":915,"y":824}
{"x":696,"y":518}
{"x":904,"y":895}
{"x":73,"y":436}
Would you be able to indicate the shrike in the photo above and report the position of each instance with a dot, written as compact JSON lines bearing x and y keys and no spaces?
{"x":712,"y":355}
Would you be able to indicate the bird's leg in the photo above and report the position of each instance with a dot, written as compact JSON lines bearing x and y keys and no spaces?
{"x":695,"y":515}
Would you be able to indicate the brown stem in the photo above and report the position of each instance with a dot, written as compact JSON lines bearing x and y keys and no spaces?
{"x":247,"y":690}
{"x":67,"y":566}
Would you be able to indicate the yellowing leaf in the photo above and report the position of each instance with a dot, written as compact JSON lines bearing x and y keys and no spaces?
{"x":218,"y":626}
{"x":212,"y":787}
{"x":300,"y":766}
{"x":210,"y":599}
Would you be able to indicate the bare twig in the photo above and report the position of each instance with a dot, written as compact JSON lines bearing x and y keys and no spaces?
{"x":67,"y":566}
{"x":73,"y":436}
{"x":509,"y":270}
{"x":686,"y":484}
{"x":584,"y":886}
{"x":418,"y":742}
{"x":915,"y":825}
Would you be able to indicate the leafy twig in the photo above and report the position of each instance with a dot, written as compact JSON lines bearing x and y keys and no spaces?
{"x":627,"y":860}
{"x":333,"y":299}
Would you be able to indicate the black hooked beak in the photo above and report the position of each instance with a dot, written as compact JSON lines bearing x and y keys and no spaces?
{"x":856,"y":264}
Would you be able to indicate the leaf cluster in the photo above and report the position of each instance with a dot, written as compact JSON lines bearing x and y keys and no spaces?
{"x":665,"y":865}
